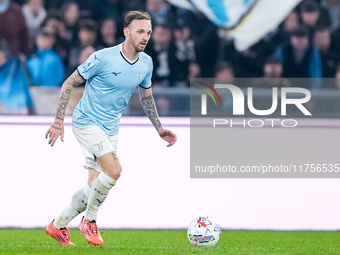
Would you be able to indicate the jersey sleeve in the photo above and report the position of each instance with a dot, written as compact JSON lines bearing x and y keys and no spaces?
{"x":90,"y":67}
{"x":146,"y":83}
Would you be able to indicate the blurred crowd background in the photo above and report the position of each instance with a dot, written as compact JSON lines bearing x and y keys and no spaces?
{"x":42,"y":42}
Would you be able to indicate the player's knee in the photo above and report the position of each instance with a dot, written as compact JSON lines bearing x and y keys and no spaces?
{"x":115,"y":174}
{"x":118,"y":172}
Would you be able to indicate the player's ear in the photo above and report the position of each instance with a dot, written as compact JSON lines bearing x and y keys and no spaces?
{"x":126,"y":31}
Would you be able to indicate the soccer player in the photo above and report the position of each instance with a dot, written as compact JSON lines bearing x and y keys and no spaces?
{"x":111,"y":76}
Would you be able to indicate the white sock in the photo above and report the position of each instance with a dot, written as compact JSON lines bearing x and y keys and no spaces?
{"x":77,"y":205}
{"x":99,"y":191}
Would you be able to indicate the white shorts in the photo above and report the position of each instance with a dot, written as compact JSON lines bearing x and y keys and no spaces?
{"x":94,"y":143}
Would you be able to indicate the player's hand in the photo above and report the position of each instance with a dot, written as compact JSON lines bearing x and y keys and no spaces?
{"x":55,"y":130}
{"x":168,"y":136}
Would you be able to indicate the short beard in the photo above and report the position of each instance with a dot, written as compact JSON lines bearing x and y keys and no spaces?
{"x":135,"y":46}
{"x":137,"y":49}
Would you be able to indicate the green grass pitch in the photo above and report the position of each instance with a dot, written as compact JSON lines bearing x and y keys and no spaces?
{"x":149,"y":242}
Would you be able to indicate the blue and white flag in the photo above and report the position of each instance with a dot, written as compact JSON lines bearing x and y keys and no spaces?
{"x":14,"y":93}
{"x":247,"y":21}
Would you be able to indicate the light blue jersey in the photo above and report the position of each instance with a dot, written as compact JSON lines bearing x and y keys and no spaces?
{"x":110,"y":80}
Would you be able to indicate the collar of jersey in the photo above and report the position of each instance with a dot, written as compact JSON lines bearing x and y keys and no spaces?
{"x":123,"y":56}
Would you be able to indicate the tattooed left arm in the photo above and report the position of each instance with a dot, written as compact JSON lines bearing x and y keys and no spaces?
{"x":149,"y":106}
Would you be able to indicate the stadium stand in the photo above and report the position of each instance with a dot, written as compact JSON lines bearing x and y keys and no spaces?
{"x":185,"y":44}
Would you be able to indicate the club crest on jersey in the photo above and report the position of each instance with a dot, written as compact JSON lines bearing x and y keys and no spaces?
{"x":141,"y":74}
{"x":87,"y":65}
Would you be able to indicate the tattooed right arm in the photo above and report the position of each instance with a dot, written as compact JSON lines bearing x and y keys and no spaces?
{"x":72,"y":81}
{"x":57,"y":128}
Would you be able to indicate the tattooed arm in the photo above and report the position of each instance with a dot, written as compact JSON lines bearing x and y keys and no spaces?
{"x":149,"y":107}
{"x":72,"y":81}
{"x":57,"y":128}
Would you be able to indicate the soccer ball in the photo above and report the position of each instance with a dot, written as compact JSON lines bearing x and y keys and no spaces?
{"x":204,"y":232}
